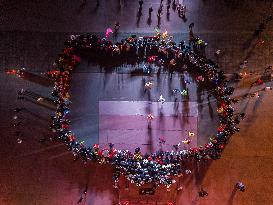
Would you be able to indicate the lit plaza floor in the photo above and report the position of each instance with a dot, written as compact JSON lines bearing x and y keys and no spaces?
{"x":32,"y":34}
{"x":111,"y":107}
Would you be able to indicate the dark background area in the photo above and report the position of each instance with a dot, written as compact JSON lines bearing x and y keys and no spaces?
{"x":32,"y":34}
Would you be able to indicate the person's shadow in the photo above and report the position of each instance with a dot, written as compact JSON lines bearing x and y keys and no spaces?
{"x":150,"y":140}
{"x":139,"y":14}
{"x":168,"y":16}
{"x":231,"y":198}
{"x":149,"y":20}
{"x":82,"y":6}
{"x":158,"y":21}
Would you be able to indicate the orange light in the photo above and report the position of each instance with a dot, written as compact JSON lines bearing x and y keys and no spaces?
{"x":165,"y":34}
{"x":191,"y":134}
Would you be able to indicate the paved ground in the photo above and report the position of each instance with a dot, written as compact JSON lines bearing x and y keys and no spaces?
{"x":32,"y":34}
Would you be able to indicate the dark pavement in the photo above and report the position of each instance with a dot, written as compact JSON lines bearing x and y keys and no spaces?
{"x":31,"y":36}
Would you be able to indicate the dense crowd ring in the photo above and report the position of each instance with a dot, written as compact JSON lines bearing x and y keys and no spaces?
{"x":160,"y":167}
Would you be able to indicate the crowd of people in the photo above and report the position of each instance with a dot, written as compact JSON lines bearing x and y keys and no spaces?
{"x":160,"y":167}
{"x":177,"y":6}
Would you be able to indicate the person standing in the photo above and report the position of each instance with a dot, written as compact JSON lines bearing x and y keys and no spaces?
{"x":202,"y":193}
{"x":240,"y":186}
{"x":150,"y":117}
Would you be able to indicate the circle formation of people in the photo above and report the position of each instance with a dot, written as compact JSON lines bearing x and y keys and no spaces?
{"x":160,"y":167}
